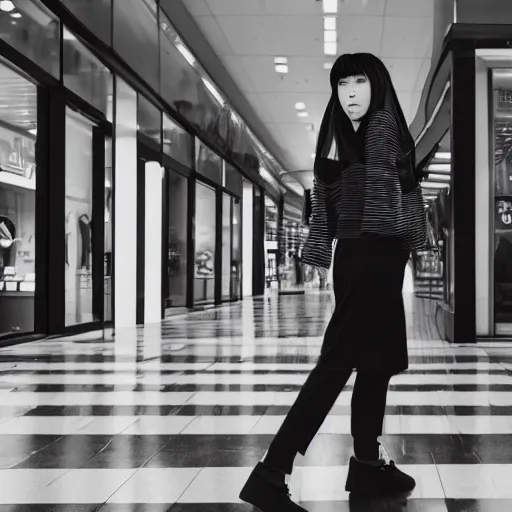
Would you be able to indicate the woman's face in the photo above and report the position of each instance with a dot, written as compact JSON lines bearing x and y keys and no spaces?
{"x":355,"y":94}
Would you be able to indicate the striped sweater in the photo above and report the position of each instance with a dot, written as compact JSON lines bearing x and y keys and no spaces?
{"x":374,"y":199}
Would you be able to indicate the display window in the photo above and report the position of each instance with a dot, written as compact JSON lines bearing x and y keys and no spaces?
{"x":205,"y":238}
{"x":176,"y":274}
{"x":18,"y":135}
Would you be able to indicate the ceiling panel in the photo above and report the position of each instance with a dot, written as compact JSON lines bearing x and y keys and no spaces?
{"x":410,"y":8}
{"x":197,"y":7}
{"x":237,"y":69}
{"x":407,"y":37}
{"x":404,"y":72}
{"x":211,"y":29}
{"x":273,"y":35}
{"x":298,"y":7}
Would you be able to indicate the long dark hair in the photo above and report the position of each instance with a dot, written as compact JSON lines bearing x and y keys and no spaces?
{"x":336,"y":126}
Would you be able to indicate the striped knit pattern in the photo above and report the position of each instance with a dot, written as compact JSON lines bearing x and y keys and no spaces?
{"x":366,"y":199}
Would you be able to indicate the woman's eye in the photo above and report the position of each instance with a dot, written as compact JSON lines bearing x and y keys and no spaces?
{"x":342,"y":83}
{"x":361,"y":80}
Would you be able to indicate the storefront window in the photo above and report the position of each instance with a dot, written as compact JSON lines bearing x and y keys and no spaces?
{"x":205,"y":228}
{"x":17,"y":202}
{"x":95,"y":15}
{"x":226,"y":246}
{"x":149,"y":120}
{"x":208,"y":163}
{"x":108,"y":232}
{"x":78,"y":215}
{"x":177,"y":252}
{"x":136,"y":37}
{"x":178,"y":143}
{"x":84,"y":74}
{"x":34,"y":31}
{"x":502,"y":95}
{"x":236,"y":254}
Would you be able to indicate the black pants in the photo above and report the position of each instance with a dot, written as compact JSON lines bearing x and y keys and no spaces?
{"x":314,"y":402}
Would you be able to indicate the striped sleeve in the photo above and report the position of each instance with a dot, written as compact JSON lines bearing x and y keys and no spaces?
{"x":382,"y":198}
{"x":318,"y":246}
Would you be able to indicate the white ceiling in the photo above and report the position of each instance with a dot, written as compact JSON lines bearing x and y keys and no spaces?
{"x":248,"y":34}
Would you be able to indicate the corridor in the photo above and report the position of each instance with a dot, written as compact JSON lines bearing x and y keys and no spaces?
{"x":174,"y":417}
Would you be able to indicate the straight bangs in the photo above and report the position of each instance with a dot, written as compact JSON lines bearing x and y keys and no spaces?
{"x":348,"y":65}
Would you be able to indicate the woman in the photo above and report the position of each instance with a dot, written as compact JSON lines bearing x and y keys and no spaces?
{"x":366,"y":196}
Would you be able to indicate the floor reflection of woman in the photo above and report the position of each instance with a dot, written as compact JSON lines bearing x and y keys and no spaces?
{"x":366,"y":196}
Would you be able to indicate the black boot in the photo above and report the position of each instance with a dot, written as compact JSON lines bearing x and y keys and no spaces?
{"x":269,"y":495}
{"x":382,"y":479}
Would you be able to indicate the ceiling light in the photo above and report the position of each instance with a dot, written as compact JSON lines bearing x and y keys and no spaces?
{"x":6,"y":6}
{"x":302,"y":114}
{"x":281,"y":68}
{"x":310,"y":127}
{"x":16,"y":15}
{"x":186,"y":53}
{"x":330,"y":48}
{"x":328,"y":65}
{"x":300,"y":106}
{"x":280,"y":60}
{"x":329,"y":23}
{"x":213,"y":91}
{"x":440,"y":167}
{"x":439,"y":177}
{"x":330,"y":6}
{"x":330,"y":36}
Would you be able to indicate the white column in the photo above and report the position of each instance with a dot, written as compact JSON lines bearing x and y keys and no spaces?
{"x":125,"y":240}
{"x":153,"y":244}
{"x":247,"y":236}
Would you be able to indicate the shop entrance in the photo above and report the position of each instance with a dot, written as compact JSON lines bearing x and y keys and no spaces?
{"x":86,"y":261}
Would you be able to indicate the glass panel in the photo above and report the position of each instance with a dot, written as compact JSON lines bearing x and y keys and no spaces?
{"x":178,"y":143}
{"x":149,"y":120}
{"x":236,"y":255}
{"x":84,"y":74}
{"x":136,"y":37}
{"x":177,"y":259}
{"x":204,"y":261}
{"x":108,"y":231}
{"x":271,"y":242}
{"x":208,"y":163}
{"x":18,"y":117}
{"x":34,"y":31}
{"x":502,"y":93}
{"x":233,"y":180}
{"x":96,"y":15}
{"x":226,"y":246}
{"x":248,"y":234}
{"x":78,"y":211}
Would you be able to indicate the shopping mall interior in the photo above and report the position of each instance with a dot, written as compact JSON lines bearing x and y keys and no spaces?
{"x":157,"y":317}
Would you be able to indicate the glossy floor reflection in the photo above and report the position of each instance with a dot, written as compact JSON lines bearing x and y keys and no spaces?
{"x":173,"y":417}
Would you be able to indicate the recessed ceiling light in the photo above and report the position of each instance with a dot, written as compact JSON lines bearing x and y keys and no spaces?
{"x":281,"y":68}
{"x":330,"y":6}
{"x":302,"y":114}
{"x":280,"y":60}
{"x":330,"y":36}
{"x":328,"y":65}
{"x":330,"y":48}
{"x":16,"y":15}
{"x":300,"y":106}
{"x":6,"y":6}
{"x":310,"y":127}
{"x":329,"y":23}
